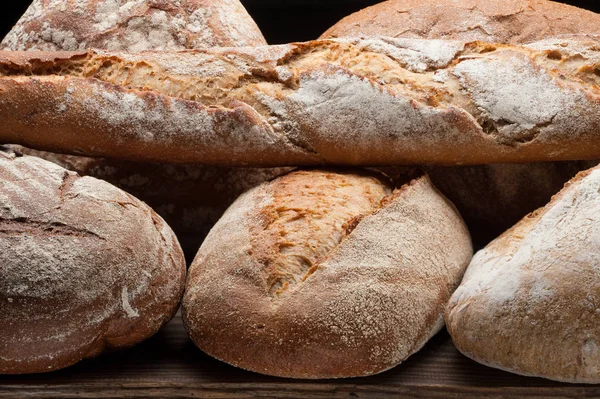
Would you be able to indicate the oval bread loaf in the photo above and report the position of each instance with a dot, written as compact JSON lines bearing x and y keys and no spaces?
{"x":529,"y":301}
{"x":84,"y":267}
{"x":312,"y":103}
{"x":324,"y":274}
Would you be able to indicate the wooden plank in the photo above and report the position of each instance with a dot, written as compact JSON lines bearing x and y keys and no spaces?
{"x":169,"y":365}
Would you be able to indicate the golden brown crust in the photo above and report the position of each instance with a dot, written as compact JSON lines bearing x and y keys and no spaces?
{"x":399,"y":101}
{"x":528,"y":302}
{"x":374,"y":293}
{"x":509,"y":21}
{"x":85,"y":267}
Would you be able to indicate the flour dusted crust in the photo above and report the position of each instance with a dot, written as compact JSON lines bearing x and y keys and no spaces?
{"x":134,"y":25}
{"x":528,"y":302}
{"x":325,"y":274}
{"x":84,"y":267}
{"x":397,"y":100}
{"x":507,"y":21}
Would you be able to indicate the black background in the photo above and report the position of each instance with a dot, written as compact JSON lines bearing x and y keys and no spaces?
{"x":281,"y":21}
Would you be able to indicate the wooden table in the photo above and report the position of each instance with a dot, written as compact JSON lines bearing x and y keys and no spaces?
{"x":170,"y":366}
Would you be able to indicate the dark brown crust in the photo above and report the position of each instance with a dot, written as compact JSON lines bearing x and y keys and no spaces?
{"x":373,"y":301}
{"x":86,"y":267}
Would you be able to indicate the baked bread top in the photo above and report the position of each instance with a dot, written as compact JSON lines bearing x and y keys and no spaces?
{"x":134,"y":25}
{"x":506,"y":21}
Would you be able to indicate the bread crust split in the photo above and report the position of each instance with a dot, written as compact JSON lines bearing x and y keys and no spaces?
{"x":352,"y":101}
{"x":84,"y":267}
{"x":528,"y":302}
{"x":326,"y":274}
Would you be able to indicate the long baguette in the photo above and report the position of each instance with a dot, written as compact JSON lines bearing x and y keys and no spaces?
{"x":346,"y":101}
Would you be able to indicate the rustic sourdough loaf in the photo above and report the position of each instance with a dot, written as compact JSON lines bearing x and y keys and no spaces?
{"x":507,"y":21}
{"x":326,"y":274}
{"x":529,"y":301}
{"x":491,"y":198}
{"x":133,"y":25}
{"x":345,"y":101}
{"x":84,"y":267}
{"x":191,"y":198}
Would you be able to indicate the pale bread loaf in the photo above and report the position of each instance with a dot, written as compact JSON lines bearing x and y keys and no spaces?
{"x":528,"y":303}
{"x":325,"y":274}
{"x":191,"y":198}
{"x":84,"y":267}
{"x":311,"y":103}
{"x":491,"y":198}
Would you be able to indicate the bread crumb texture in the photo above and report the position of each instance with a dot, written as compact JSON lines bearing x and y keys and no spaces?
{"x":529,"y":301}
{"x":326,"y":274}
{"x":84,"y":267}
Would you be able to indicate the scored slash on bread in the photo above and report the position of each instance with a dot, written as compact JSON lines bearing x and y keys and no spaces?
{"x":326,"y":274}
{"x":352,"y":101}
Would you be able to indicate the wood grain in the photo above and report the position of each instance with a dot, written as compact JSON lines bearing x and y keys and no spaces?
{"x":169,"y":365}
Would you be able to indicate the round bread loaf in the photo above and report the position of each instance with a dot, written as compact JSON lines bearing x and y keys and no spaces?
{"x":491,"y":198}
{"x":323,"y":274}
{"x":191,"y":198}
{"x":508,"y":21}
{"x":132,"y":25}
{"x":84,"y":267}
{"x":529,"y":301}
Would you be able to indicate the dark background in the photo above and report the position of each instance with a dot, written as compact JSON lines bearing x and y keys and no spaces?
{"x":281,"y":21}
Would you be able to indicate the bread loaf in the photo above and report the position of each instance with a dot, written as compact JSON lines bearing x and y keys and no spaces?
{"x":528,"y":302}
{"x":135,"y":25}
{"x":311,"y":103}
{"x":326,"y":274}
{"x":84,"y":267}
{"x":190,"y":198}
{"x":507,"y":21}
{"x":491,"y":198}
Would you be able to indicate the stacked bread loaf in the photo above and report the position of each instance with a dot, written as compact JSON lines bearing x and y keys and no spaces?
{"x":319,"y":273}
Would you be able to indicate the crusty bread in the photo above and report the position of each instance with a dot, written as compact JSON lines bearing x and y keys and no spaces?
{"x":310,"y":103}
{"x":529,"y":301}
{"x":134,"y":25}
{"x":191,"y":198}
{"x":84,"y":267}
{"x":506,"y":21}
{"x":324,"y":274}
{"x":491,"y":198}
